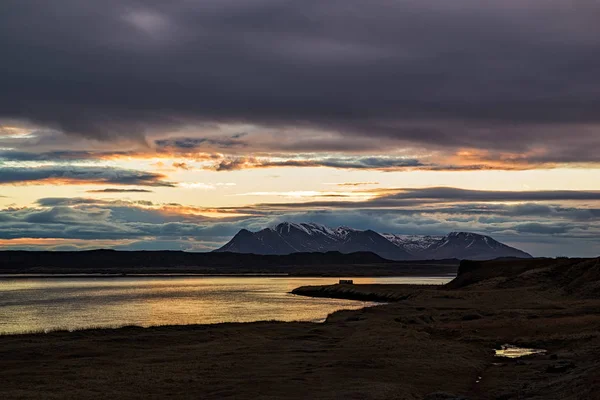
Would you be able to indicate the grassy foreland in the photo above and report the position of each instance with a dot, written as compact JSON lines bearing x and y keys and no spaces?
{"x":431,"y":339}
{"x":375,"y":292}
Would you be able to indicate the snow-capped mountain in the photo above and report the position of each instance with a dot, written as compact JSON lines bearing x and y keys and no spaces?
{"x":412,"y":243}
{"x":288,"y":237}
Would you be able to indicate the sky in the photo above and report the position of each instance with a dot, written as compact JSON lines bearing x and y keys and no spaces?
{"x":133,"y":124}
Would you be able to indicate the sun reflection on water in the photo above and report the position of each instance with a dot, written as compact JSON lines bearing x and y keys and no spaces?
{"x":73,"y":303}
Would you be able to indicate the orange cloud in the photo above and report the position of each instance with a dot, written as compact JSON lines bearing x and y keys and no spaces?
{"x":181,"y":165}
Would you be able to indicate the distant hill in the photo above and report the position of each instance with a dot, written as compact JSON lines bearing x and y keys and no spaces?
{"x":331,"y":263}
{"x":289,"y":238}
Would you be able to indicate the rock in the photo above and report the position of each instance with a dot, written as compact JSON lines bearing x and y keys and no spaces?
{"x":561,"y":366}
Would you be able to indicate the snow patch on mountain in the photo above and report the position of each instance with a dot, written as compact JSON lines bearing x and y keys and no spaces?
{"x":413,"y":243}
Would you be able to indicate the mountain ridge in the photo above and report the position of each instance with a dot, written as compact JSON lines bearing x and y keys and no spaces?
{"x":290,"y":237}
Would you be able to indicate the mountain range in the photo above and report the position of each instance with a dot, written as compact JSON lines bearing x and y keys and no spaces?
{"x":288,"y":238}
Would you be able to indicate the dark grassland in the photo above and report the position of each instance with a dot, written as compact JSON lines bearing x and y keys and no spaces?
{"x":427,"y":339}
{"x":112,"y":262}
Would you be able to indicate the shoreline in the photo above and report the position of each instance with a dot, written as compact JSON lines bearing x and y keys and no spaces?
{"x":381,"y":293}
{"x":228,"y":315}
{"x":233,"y":275}
{"x":96,"y":329}
{"x":436,"y":339}
{"x":126,"y":275}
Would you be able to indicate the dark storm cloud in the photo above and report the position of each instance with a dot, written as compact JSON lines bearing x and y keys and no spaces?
{"x":509,"y":75}
{"x":188,"y":144}
{"x":81,"y":175}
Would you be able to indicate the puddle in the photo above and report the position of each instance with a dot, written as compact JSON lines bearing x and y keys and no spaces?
{"x":510,"y":351}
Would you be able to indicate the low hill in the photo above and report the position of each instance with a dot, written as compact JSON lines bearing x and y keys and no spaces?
{"x":165,"y":262}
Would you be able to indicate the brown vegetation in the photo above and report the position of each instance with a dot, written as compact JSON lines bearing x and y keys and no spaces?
{"x":432,"y":340}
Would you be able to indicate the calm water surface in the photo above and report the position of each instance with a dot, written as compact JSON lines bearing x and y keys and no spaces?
{"x":72,"y":303}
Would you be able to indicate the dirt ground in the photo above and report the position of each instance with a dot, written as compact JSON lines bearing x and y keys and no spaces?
{"x":433,"y":343}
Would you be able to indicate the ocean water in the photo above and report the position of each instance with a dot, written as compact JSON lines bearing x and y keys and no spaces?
{"x":30,"y":304}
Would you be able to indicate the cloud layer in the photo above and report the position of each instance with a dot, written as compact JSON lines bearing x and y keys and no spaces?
{"x":516,"y":77}
{"x":542,"y":227}
{"x":79,"y":175}
{"x":138,"y":96}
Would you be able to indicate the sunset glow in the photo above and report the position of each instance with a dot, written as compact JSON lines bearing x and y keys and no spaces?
{"x":143,"y":133}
